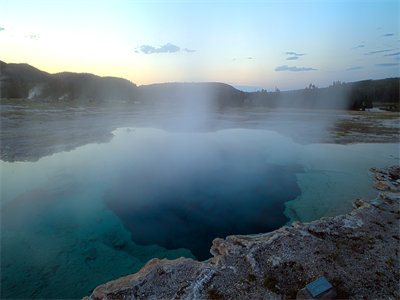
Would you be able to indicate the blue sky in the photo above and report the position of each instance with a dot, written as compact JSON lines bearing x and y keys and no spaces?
{"x":287,"y":44}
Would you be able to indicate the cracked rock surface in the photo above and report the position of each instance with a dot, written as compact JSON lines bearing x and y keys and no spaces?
{"x":357,"y":252}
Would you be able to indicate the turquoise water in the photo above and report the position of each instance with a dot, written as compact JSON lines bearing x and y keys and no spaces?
{"x":74,"y":220}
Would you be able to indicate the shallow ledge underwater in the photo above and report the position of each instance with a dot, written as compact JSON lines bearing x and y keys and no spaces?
{"x":357,"y":252}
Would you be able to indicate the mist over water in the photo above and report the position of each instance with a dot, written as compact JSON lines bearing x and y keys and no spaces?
{"x":87,"y":216}
{"x":175,"y":176}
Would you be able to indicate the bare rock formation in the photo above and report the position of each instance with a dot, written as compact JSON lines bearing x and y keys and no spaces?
{"x":358,"y":253}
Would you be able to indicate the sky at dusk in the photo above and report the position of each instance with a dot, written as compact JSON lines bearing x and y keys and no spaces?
{"x":287,"y":44}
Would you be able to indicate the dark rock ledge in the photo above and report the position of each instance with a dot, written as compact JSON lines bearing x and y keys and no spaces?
{"x":358,"y":253}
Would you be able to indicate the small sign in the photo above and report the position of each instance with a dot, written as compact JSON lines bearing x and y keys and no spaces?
{"x":318,"y":286}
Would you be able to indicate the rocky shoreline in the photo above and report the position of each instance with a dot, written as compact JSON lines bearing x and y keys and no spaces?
{"x":357,"y":252}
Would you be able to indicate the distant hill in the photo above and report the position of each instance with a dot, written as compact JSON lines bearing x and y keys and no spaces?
{"x":26,"y":82}
{"x":16,"y":80}
{"x":23,"y":81}
{"x":213,"y":94}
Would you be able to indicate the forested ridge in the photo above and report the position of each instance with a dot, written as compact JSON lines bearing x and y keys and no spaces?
{"x":22,"y":81}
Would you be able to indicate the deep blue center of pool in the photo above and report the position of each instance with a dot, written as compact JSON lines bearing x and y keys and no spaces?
{"x":240,"y":196}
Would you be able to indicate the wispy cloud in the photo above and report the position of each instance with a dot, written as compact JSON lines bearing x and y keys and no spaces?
{"x":388,"y":65}
{"x":354,"y":68}
{"x":294,"y":53}
{"x":167,"y":48}
{"x":378,"y":51}
{"x":293,"y":69}
{"x":388,"y":34}
{"x":358,"y":46}
{"x":292,"y":58}
{"x":242,"y":58}
{"x":392,"y":54}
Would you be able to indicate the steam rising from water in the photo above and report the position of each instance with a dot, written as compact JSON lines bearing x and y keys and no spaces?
{"x":80,"y":218}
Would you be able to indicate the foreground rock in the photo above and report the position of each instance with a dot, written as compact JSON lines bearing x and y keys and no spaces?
{"x":358,"y":253}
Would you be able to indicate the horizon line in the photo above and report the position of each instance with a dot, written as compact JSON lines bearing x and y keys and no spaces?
{"x":236,"y":86}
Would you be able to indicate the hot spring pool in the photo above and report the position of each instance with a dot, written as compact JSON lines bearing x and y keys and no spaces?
{"x":74,"y":220}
